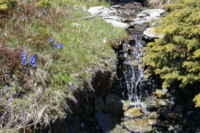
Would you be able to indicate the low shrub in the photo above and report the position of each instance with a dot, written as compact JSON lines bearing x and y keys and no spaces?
{"x":176,"y":56}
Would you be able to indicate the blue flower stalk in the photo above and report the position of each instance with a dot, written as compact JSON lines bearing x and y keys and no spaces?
{"x":23,"y":56}
{"x":58,"y":46}
{"x":33,"y":61}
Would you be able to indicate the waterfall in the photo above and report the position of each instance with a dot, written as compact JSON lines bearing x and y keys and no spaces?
{"x":133,"y":72}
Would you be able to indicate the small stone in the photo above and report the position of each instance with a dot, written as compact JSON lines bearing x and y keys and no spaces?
{"x":153,"y":115}
{"x":161,"y":93}
{"x":76,"y":25}
{"x":162,"y":102}
{"x":171,"y":128}
{"x":154,"y":122}
{"x":138,"y":125}
{"x":125,"y":105}
{"x":133,"y":112}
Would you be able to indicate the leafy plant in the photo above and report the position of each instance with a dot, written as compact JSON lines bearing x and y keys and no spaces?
{"x":176,"y":56}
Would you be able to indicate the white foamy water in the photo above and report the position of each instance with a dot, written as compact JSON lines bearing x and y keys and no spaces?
{"x":134,"y":75}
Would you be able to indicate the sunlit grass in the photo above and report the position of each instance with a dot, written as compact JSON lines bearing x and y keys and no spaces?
{"x":85,"y":48}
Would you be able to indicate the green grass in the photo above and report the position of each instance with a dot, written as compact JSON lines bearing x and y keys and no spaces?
{"x":84,"y":50}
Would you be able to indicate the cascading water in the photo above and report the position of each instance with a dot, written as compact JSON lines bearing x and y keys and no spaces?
{"x":133,"y":71}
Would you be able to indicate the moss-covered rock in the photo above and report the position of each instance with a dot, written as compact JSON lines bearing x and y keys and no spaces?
{"x":133,"y":112}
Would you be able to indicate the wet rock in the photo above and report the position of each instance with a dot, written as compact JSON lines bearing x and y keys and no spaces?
{"x":155,"y":122}
{"x":119,"y":129}
{"x":162,"y":102}
{"x":125,"y":105}
{"x":113,"y":105}
{"x":99,"y":104}
{"x":151,"y":103}
{"x":153,"y":115}
{"x":106,"y":121}
{"x":161,"y":93}
{"x":133,"y":112}
{"x":149,"y":33}
{"x":138,"y":125}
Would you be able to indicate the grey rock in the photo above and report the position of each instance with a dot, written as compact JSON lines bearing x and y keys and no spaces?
{"x":149,"y":32}
{"x":138,"y":125}
{"x":148,"y":15}
{"x":152,"y":12}
{"x":108,"y":15}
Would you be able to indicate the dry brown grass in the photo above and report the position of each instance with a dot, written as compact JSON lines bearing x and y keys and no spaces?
{"x":26,"y":96}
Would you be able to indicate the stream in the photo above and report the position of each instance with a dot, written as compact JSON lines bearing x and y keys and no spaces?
{"x":123,"y":101}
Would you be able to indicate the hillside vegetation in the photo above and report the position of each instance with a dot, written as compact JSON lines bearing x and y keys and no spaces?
{"x":176,"y":56}
{"x":46,"y":48}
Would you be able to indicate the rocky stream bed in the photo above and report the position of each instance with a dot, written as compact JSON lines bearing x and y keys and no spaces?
{"x":123,"y":101}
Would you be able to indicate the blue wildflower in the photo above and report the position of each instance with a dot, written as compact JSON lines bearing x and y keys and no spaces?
{"x":53,"y":44}
{"x":33,"y":60}
{"x":50,"y":40}
{"x":24,"y":62}
{"x":61,"y":45}
{"x":23,"y":56}
{"x":58,"y":46}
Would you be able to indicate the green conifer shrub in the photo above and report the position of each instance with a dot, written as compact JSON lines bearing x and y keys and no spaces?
{"x":176,"y":56}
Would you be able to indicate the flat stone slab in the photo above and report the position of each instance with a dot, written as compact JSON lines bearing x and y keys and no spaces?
{"x":108,"y":15}
{"x":138,"y":125}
